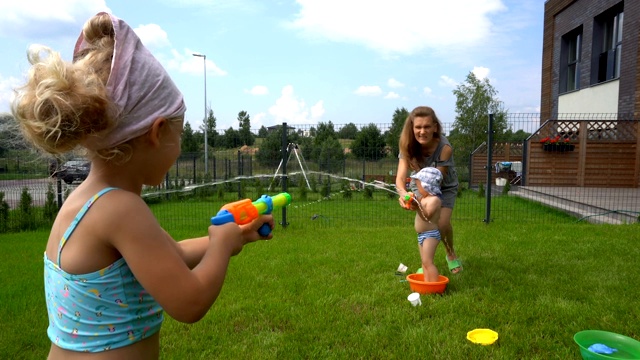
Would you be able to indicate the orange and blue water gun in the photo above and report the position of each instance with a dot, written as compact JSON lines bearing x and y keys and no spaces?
{"x":245,"y":211}
{"x":407,"y":199}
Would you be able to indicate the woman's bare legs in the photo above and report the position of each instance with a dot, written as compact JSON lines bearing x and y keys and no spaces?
{"x":446,"y":232}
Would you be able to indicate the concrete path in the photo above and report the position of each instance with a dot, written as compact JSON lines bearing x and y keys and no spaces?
{"x":596,"y":205}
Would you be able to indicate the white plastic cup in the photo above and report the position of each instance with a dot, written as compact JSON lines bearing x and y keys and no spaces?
{"x":414,"y":298}
{"x":402,"y":268}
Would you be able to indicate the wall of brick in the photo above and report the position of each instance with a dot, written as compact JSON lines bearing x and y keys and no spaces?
{"x":562,"y":16}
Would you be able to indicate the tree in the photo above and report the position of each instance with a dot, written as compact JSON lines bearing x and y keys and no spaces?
{"x":348,"y":131}
{"x":325,"y":148}
{"x":263,"y":132}
{"x":475,"y":100}
{"x":5,"y":120}
{"x":210,"y":124}
{"x":231,"y":139}
{"x":269,"y":153}
{"x":246,"y":136}
{"x":189,"y":142}
{"x":392,"y":135}
{"x":368,"y":144}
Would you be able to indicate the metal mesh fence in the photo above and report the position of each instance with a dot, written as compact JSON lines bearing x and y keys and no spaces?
{"x":326,"y":193}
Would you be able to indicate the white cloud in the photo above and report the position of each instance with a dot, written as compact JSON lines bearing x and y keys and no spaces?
{"x":317,"y":110}
{"x":447,"y":82}
{"x":368,"y":91}
{"x":257,"y":120}
{"x":480,"y":72}
{"x":394,"y":83}
{"x":152,"y":36}
{"x":46,"y":18}
{"x":392,"y":95}
{"x":6,"y":91}
{"x":190,"y":64}
{"x":398,"y":26}
{"x":427,"y":91}
{"x":293,"y":110}
{"x":258,"y":90}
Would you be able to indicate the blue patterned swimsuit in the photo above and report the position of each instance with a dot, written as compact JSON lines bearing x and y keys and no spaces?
{"x":99,"y":311}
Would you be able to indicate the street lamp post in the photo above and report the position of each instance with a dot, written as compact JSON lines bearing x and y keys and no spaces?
{"x":206,"y":151}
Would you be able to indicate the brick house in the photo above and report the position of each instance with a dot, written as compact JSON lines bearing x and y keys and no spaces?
{"x":590,"y":98}
{"x":590,"y":58}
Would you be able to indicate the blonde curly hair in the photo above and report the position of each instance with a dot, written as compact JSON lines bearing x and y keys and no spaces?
{"x":63,"y":102}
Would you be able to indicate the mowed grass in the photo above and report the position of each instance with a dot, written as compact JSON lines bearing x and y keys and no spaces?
{"x":331,"y":292}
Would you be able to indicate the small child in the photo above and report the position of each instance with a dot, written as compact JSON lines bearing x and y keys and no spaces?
{"x":110,"y":271}
{"x":427,"y":215}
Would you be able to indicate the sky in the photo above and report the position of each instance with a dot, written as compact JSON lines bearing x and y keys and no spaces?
{"x":305,"y":61}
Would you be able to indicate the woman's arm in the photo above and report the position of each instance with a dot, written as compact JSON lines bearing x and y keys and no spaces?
{"x":445,"y":156}
{"x":401,"y":177}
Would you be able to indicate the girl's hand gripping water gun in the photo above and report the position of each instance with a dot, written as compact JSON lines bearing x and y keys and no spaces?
{"x":244,"y":211}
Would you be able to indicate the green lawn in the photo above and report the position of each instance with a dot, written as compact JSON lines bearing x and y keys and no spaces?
{"x":331,"y":292}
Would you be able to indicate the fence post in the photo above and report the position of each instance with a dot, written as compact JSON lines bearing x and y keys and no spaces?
{"x":194,"y":168}
{"x":285,"y":157}
{"x":58,"y":183}
{"x":239,"y":173}
{"x":215,"y":174}
{"x":489,"y":168}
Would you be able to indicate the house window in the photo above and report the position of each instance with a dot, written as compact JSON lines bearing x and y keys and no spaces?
{"x":607,"y":33}
{"x":570,"y":60}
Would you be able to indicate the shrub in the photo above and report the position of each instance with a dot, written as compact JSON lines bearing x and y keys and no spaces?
{"x":302,"y":192}
{"x":50,"y":204}
{"x":368,"y":191}
{"x":346,"y":190}
{"x":27,"y":220}
{"x":326,"y":188}
{"x":4,"y":214}
{"x":220,"y":192}
{"x":313,"y":183}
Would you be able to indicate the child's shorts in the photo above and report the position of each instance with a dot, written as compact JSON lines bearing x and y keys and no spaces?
{"x":435,"y":234}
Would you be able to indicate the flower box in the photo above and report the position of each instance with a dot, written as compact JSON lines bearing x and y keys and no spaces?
{"x":558,"y":147}
{"x":557,"y":144}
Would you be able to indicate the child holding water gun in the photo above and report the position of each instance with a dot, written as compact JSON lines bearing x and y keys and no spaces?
{"x":428,"y":181}
{"x":110,"y":270}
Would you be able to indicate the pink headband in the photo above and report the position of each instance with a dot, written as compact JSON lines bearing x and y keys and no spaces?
{"x":139,"y":86}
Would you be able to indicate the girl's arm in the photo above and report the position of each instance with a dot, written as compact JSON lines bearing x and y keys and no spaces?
{"x":192,"y":250}
{"x":162,"y":267}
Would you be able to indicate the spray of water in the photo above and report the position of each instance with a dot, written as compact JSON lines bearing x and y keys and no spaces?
{"x":376,"y":184}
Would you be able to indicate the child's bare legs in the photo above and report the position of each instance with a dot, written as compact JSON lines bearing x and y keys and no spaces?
{"x":430,"y":207}
{"x":427,"y":254}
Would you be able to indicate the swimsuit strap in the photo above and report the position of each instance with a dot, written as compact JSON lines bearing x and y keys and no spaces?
{"x":79,"y":217}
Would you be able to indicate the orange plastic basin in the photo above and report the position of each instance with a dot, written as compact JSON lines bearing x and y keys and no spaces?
{"x":417,"y":284}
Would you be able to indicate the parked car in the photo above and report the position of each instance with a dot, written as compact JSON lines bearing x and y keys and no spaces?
{"x":73,"y":170}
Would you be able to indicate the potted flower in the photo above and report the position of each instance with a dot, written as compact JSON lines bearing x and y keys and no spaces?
{"x":565,"y":145}
{"x":547,"y":145}
{"x":557,"y":143}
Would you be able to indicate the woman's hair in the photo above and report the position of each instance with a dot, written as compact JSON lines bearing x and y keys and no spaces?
{"x":410,"y":148}
{"x":62,"y":102}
